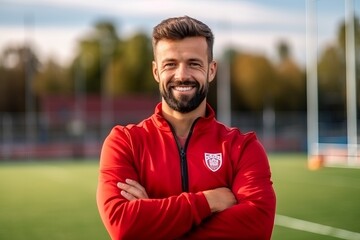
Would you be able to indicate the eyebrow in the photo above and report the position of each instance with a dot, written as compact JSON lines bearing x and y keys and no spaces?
{"x":188,"y":60}
{"x":195,"y":60}
{"x":169,"y":60}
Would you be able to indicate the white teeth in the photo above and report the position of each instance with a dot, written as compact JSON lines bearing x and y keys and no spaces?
{"x":183,"y":89}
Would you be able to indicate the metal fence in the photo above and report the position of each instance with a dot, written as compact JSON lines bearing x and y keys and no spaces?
{"x":68,"y":137}
{"x":64,"y":135}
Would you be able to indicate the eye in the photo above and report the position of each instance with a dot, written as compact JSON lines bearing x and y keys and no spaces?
{"x":169,"y":65}
{"x":195,"y":64}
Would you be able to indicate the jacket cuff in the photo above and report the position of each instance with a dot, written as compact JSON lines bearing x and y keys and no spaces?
{"x":201,"y":207}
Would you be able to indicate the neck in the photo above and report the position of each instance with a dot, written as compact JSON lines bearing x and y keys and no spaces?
{"x":182,"y":122}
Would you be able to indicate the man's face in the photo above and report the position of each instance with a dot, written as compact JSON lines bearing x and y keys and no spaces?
{"x":182,"y":70}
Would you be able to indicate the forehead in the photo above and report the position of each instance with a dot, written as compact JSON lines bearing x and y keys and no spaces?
{"x":191,"y":47}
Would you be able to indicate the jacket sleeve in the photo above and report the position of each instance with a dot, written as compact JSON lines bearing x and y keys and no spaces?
{"x":253,"y":216}
{"x":166,"y":218}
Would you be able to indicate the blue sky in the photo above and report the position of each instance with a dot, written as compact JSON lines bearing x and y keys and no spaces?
{"x":54,"y":26}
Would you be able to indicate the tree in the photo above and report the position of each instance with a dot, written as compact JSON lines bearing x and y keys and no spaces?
{"x":17,"y":68}
{"x":331,"y":79}
{"x":95,"y":53}
{"x":254,"y":80}
{"x":114,"y":66}
{"x":290,"y":90}
{"x":52,"y":79}
{"x":332,"y":71}
{"x":130,"y":71}
{"x":341,"y":40}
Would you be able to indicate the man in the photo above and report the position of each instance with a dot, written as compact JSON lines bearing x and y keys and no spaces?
{"x":180,"y":174}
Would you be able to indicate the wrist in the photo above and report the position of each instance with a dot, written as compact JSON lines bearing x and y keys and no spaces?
{"x":209,"y":195}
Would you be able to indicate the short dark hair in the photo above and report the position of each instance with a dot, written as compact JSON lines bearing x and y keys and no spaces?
{"x":178,"y":28}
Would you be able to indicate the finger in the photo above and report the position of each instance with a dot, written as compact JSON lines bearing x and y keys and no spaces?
{"x":133,"y":190}
{"x":127,"y":195}
{"x":135,"y":184}
{"x":123,"y":186}
{"x":141,"y":192}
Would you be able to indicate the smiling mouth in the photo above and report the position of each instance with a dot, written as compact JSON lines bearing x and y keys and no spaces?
{"x":183,"y":88}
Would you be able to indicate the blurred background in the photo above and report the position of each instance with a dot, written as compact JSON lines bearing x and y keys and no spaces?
{"x":71,"y":70}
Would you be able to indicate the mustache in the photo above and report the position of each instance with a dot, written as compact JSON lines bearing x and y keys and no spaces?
{"x":182,"y":83}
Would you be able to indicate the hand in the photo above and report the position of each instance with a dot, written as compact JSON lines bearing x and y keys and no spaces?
{"x":132,"y":190}
{"x":220,"y":199}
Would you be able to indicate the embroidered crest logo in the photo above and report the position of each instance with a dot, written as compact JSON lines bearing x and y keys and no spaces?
{"x":213,"y":161}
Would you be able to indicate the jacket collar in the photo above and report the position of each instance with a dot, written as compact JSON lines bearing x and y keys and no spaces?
{"x":163,"y":124}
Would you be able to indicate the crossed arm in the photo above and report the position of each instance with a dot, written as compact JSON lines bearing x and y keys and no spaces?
{"x":246,"y":211}
{"x":218,"y":199}
{"x":229,"y":219}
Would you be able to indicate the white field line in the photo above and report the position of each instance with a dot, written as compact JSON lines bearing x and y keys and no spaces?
{"x":317,"y":228}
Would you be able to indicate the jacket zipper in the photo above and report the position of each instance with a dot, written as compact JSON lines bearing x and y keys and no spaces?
{"x":184,"y":170}
{"x":183,"y":159}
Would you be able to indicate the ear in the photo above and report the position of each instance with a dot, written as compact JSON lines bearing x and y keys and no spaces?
{"x":155,"y":71}
{"x":212,"y":70}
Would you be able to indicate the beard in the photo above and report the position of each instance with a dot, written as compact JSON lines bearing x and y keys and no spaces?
{"x":185,"y":103}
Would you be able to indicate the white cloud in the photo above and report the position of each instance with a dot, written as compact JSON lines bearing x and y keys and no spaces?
{"x":248,"y":25}
{"x":234,"y":11}
{"x":59,"y":43}
{"x":264,"y":43}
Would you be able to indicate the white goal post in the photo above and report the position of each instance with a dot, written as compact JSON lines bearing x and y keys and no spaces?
{"x":320,"y":154}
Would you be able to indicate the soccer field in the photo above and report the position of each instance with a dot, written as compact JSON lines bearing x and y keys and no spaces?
{"x":326,"y":201}
{"x":56,"y":200}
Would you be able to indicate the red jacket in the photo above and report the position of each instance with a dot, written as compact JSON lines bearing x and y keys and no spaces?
{"x":174,"y":178}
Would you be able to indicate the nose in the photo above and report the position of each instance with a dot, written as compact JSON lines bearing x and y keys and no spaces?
{"x":182,"y":73}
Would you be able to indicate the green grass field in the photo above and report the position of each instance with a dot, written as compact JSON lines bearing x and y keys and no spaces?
{"x":56,"y":200}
